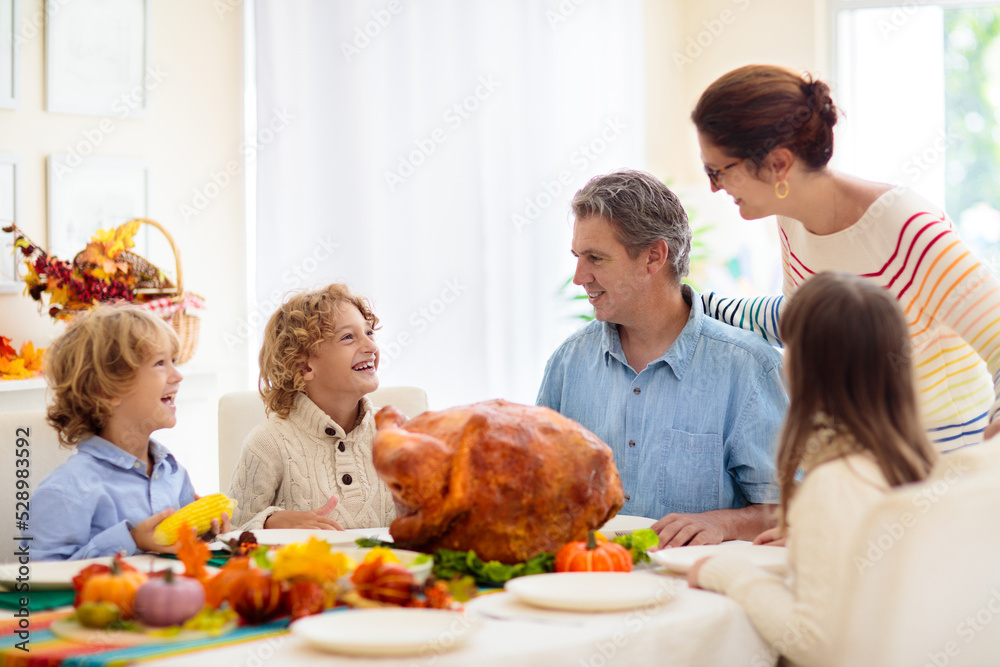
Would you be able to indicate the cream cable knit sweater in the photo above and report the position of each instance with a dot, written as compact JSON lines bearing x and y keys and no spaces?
{"x":299,"y":462}
{"x":796,"y":617}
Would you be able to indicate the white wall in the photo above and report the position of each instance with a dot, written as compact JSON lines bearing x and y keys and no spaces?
{"x":193,"y":128}
{"x":690,"y":43}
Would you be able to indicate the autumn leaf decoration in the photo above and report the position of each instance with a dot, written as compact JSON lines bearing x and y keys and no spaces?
{"x":310,"y":560}
{"x":6,"y":351}
{"x":105,"y":246}
{"x":18,"y":366}
{"x":193,"y":553}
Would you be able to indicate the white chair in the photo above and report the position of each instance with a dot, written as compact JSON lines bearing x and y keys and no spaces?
{"x":241,"y":411}
{"x":973,"y":458}
{"x":925,"y":588}
{"x":44,"y":454}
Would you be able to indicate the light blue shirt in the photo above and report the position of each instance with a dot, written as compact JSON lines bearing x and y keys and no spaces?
{"x":695,"y":430}
{"x":88,"y":506}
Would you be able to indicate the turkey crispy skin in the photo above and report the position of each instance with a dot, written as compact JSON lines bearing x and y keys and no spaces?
{"x":506,"y":480}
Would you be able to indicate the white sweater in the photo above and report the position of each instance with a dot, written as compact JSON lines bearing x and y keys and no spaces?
{"x":796,"y":617}
{"x":299,"y":462}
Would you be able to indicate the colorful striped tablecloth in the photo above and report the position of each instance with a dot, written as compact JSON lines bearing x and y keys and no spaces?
{"x":47,"y":650}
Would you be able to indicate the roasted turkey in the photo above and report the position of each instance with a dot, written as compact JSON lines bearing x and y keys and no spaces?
{"x":506,"y":480}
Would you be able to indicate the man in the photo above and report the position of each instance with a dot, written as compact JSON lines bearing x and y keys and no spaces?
{"x":690,"y":406}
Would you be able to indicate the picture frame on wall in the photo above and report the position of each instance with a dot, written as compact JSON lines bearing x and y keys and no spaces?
{"x":88,"y":194}
{"x":9,"y":20}
{"x":97,"y":58}
{"x":10,"y":201}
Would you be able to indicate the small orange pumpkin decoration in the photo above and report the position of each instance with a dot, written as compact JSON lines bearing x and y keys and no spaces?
{"x":305,"y":598}
{"x":591,"y":556}
{"x":117,"y":586}
{"x":84,"y":575}
{"x":256,"y":597}
{"x":384,"y":582}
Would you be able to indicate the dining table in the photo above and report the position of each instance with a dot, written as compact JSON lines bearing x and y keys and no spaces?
{"x":674,"y":625}
{"x":695,"y":628}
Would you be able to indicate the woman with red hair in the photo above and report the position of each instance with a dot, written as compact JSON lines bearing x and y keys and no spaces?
{"x":766,"y":137}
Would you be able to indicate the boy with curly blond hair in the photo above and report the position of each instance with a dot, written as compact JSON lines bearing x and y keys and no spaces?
{"x":113,"y":382}
{"x":310,"y":464}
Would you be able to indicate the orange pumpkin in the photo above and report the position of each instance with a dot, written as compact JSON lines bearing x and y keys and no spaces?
{"x":591,"y":556}
{"x":306,"y":598}
{"x":384,"y":582}
{"x":84,"y":575}
{"x":256,"y":597}
{"x":117,"y":586}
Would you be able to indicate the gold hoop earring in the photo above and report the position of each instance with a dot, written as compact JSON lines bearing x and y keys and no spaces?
{"x":780,"y":195}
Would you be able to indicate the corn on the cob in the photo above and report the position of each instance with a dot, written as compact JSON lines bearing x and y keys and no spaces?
{"x":197,"y":515}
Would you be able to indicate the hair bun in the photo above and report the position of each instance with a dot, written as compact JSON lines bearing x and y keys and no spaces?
{"x":746,"y":113}
{"x":817,"y":95}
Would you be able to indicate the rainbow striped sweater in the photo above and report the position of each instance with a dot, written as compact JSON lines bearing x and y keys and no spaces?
{"x":951,"y":301}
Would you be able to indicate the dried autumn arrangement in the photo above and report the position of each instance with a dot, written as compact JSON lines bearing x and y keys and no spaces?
{"x":104,"y":271}
{"x":107,"y":270}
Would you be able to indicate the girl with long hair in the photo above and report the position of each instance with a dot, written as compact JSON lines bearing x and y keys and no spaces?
{"x":854,"y":429}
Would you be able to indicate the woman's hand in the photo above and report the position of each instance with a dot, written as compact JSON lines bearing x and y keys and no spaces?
{"x":693,"y":572}
{"x":992,"y":430}
{"x":142,"y":534}
{"x":314,"y":520}
{"x":773,"y":537}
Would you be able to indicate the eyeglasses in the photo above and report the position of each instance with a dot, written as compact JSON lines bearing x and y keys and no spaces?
{"x":715,"y":174}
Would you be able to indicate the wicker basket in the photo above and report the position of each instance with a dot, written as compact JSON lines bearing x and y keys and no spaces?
{"x":152,"y":286}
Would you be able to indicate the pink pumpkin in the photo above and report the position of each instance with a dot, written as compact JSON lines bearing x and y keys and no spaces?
{"x":169,"y":600}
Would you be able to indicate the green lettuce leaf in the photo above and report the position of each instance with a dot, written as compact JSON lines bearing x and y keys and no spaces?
{"x":450,"y":564}
{"x":638,"y":542}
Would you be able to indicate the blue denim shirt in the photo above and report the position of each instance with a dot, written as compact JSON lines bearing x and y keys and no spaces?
{"x":696,"y":430}
{"x":87,"y":506}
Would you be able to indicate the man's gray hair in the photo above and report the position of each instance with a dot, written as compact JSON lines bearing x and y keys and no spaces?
{"x":642,"y":210}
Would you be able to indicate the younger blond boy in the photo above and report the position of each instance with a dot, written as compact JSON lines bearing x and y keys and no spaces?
{"x":113,"y":379}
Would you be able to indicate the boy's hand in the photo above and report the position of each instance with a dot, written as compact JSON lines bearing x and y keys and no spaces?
{"x":314,"y":520}
{"x":220,"y":527}
{"x":142,"y":534}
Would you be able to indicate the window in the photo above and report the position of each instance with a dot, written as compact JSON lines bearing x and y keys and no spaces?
{"x":919,"y":85}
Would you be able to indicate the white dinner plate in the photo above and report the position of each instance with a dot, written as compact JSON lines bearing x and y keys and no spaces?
{"x":624,"y":523}
{"x":275,"y":537}
{"x":71,"y":630}
{"x":378,"y":632}
{"x":592,"y":591}
{"x":54,"y":575}
{"x":680,"y":559}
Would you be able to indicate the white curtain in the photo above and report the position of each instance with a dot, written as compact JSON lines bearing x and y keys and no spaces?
{"x":425,"y":153}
